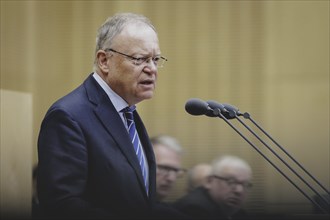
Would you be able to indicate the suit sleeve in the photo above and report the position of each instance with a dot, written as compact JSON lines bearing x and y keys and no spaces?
{"x":63,"y":168}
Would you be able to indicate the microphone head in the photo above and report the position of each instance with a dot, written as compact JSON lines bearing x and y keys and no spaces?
{"x":214,"y":106}
{"x":232,"y":108}
{"x":195,"y":106}
{"x":228,"y":111}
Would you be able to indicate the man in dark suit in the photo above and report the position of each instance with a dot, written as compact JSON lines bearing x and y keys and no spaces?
{"x":88,"y":166}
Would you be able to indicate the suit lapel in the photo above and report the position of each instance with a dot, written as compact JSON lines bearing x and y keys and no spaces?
{"x":145,"y":141}
{"x":111,"y":120}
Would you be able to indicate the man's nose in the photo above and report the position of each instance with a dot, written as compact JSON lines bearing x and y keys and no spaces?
{"x":239,"y":188}
{"x":172,"y":176}
{"x":150,"y":65}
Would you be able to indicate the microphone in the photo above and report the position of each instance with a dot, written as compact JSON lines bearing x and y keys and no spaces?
{"x":216,"y":107}
{"x":226,"y":110}
{"x":195,"y":106}
{"x":232,"y":110}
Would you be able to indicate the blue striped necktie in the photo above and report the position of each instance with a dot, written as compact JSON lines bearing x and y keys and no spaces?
{"x":128,"y":113}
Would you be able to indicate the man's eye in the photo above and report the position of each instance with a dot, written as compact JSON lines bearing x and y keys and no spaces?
{"x":140,"y":59}
{"x":156,"y":59}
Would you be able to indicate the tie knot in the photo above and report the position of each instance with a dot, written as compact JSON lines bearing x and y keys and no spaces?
{"x":130,"y":109}
{"x":128,"y":112}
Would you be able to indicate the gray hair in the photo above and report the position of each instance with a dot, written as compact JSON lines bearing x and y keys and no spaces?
{"x":114,"y":25}
{"x":223,"y":161}
{"x":167,"y":141}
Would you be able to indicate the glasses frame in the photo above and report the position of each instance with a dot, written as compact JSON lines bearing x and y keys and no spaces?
{"x":137,"y":61}
{"x":165,"y":170}
{"x":233,"y":183}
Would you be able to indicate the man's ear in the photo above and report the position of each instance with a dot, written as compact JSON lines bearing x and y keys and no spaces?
{"x":102,"y":61}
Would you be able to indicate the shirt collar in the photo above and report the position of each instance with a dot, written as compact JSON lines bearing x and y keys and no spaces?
{"x":116,"y":100}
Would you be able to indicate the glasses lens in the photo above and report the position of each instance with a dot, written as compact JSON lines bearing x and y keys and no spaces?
{"x":161,"y":61}
{"x":234,"y":183}
{"x":158,"y":61}
{"x":139,"y":61}
{"x":180,"y":173}
{"x":165,"y":170}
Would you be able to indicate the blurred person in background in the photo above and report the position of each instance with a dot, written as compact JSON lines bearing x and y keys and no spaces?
{"x":197,"y":176}
{"x":168,"y":153}
{"x":223,"y":195}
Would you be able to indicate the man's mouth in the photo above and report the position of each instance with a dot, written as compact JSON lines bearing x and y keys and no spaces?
{"x":234,"y":201}
{"x":147,"y":82}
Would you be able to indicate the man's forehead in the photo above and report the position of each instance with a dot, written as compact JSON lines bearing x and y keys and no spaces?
{"x":136,"y":28}
{"x":137,"y":35}
{"x":235,"y":171}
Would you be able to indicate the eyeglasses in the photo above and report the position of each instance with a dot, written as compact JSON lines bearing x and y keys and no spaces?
{"x":165,"y":170}
{"x":233,"y":183}
{"x":159,"y":61}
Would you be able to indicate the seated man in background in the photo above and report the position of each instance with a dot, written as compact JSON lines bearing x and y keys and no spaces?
{"x":198,"y":175}
{"x":168,"y":154}
{"x":224,"y":193}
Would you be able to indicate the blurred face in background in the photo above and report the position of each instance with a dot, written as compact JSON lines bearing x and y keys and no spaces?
{"x":168,"y":170}
{"x":229,"y":187}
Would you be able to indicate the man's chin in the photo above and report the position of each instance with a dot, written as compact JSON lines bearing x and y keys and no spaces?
{"x":142,"y":97}
{"x":162,"y":194}
{"x":234,"y":204}
{"x":164,"y":190}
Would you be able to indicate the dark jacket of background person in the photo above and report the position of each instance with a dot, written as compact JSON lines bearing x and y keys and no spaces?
{"x":199,"y":205}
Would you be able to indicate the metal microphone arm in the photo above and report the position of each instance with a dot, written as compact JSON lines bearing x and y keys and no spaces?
{"x":247,"y":127}
{"x":220,"y":115}
{"x":247,"y":116}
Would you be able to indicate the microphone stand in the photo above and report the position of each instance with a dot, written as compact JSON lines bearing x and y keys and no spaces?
{"x":247,"y":127}
{"x":234,"y":115}
{"x":247,"y":116}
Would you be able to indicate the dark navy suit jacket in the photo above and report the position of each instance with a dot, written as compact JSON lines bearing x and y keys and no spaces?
{"x":87,"y":164}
